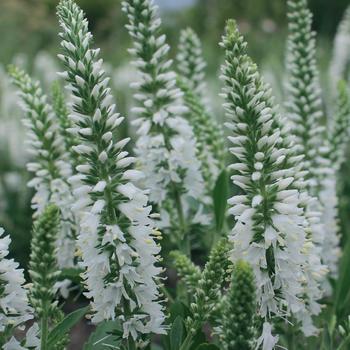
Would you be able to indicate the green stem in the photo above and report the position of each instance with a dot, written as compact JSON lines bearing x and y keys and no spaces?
{"x":187,"y":342}
{"x":44,"y":332}
{"x":344,"y":344}
{"x":131,"y":344}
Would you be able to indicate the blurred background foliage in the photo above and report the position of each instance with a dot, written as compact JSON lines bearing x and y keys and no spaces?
{"x":29,"y":28}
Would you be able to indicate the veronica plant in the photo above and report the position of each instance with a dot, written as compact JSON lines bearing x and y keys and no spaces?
{"x":44,"y":272}
{"x":334,"y":154}
{"x":304,"y":94}
{"x":51,"y":166}
{"x":208,"y":292}
{"x":191,"y":81}
{"x":116,"y":239}
{"x":14,"y":305}
{"x":190,"y":62}
{"x":238,"y":310}
{"x":269,"y":229}
{"x":166,"y":146}
{"x":306,"y":115}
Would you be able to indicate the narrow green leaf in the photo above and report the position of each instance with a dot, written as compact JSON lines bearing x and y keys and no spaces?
{"x":220,"y":196}
{"x":105,"y":336}
{"x":178,"y":309}
{"x":176,"y":333}
{"x":342,"y":293}
{"x":61,"y":329}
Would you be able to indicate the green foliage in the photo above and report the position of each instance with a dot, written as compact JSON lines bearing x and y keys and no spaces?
{"x":105,"y":336}
{"x":220,"y":196}
{"x":60,"y":331}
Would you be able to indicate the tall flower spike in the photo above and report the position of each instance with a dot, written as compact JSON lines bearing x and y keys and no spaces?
{"x":14,"y":307}
{"x":51,"y":167}
{"x":304,"y":103}
{"x":208,"y":291}
{"x":269,"y":229}
{"x":209,"y":135}
{"x":341,"y":52}
{"x":238,"y":310}
{"x":43,"y":269}
{"x":340,"y":127}
{"x":166,"y":146}
{"x":334,"y":155}
{"x":116,"y":239}
{"x":190,"y":62}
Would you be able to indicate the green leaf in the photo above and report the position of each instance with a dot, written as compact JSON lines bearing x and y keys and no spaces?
{"x":197,"y":340}
{"x":72,"y":274}
{"x":106,"y":335}
{"x":207,"y":346}
{"x":342,"y":293}
{"x":178,"y":309}
{"x":220,"y":196}
{"x":176,"y":333}
{"x":62,"y":328}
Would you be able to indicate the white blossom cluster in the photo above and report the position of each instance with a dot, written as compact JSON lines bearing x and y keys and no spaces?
{"x":117,"y":236}
{"x":271,"y":221}
{"x":14,"y":306}
{"x":306,"y":116}
{"x":304,"y":103}
{"x":190,"y":62}
{"x":166,"y":146}
{"x":50,"y":165}
{"x":334,"y":151}
{"x":208,"y":133}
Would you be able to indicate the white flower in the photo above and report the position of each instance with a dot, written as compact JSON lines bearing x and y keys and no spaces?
{"x":267,"y":341}
{"x":115,"y":240}
{"x":166,"y":146}
{"x":13,"y":297}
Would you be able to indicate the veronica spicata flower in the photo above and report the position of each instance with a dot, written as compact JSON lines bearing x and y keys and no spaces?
{"x":50,"y":165}
{"x":306,"y":115}
{"x":271,"y":224}
{"x":166,"y":147}
{"x":334,"y":155}
{"x":116,"y":237}
{"x":208,"y":132}
{"x":304,"y":103}
{"x":190,"y":62}
{"x":14,"y":306}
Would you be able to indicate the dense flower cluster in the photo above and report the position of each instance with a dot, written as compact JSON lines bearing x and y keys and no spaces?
{"x":304,"y":102}
{"x":271,"y":225}
{"x":190,"y":62}
{"x":166,"y":146}
{"x":14,"y":306}
{"x":50,"y":166}
{"x":116,"y":239}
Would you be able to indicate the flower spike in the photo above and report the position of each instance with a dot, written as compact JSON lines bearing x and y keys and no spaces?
{"x":116,"y":240}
